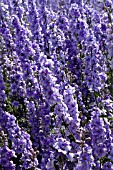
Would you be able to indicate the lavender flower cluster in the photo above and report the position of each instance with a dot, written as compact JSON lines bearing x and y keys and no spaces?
{"x":56,"y":84}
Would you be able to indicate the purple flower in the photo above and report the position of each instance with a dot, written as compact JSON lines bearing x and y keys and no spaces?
{"x":107,"y":165}
{"x":15,"y":104}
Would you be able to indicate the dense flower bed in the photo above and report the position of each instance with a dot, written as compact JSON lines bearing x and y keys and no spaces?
{"x":56,"y":85}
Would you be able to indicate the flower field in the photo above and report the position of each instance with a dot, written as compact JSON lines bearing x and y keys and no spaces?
{"x":56,"y":85}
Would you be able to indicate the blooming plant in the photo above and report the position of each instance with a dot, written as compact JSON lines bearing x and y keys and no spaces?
{"x":56,"y":85}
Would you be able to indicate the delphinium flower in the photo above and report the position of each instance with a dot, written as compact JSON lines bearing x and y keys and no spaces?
{"x":74,"y":44}
{"x":51,"y":34}
{"x":78,"y":135}
{"x":65,"y":118}
{"x":106,"y":49}
{"x":34,"y":120}
{"x":109,"y":42}
{"x":74,"y":61}
{"x":83,"y":51}
{"x":85,"y":158}
{"x":17,"y":8}
{"x":39,"y":115}
{"x":27,"y":66}
{"x":48,"y":84}
{"x":7,"y":60}
{"x":26,"y":52}
{"x":32,"y":17}
{"x":13,"y":82}
{"x":95,"y":71}
{"x":99,"y":25}
{"x":109,"y":140}
{"x":16,"y":78}
{"x":58,"y":42}
{"x":20,"y":141}
{"x":98,"y":137}
{"x":72,"y":105}
{"x":26,"y":58}
{"x":7,"y":43}
{"x":53,"y":97}
{"x":14,"y":87}
{"x":6,"y":154}
{"x":43,"y":17}
{"x":55,"y":46}
{"x":2,"y":90}
{"x":99,"y":30}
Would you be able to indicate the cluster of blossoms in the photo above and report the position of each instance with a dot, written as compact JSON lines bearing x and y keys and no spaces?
{"x":56,"y":84}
